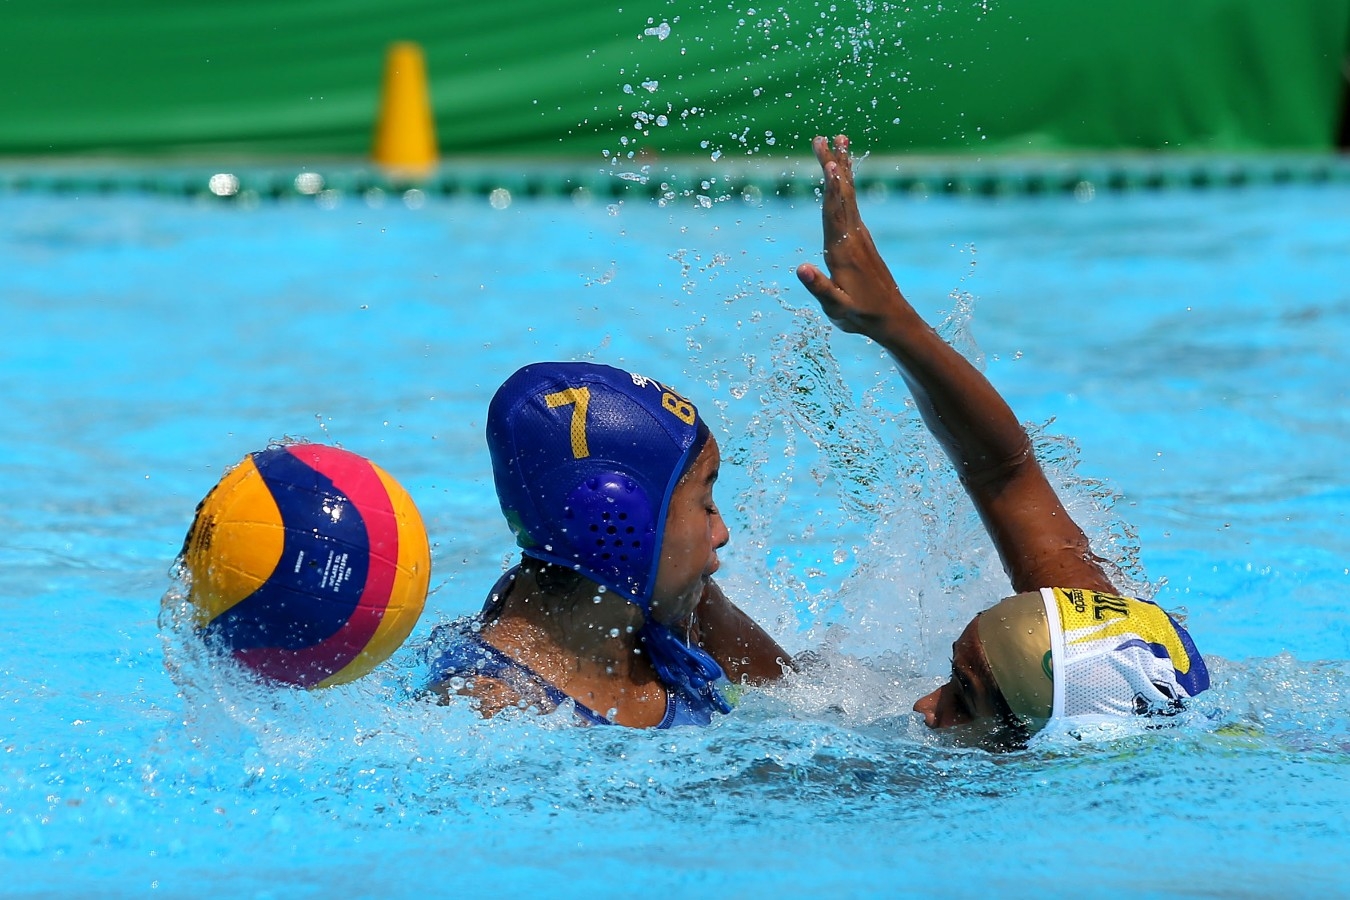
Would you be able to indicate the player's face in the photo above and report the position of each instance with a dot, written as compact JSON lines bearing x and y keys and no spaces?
{"x":970,"y":695}
{"x":694,"y":533}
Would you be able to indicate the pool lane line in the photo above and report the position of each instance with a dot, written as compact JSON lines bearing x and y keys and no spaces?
{"x":678,"y":180}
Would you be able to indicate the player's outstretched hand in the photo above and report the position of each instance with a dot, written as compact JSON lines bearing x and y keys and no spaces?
{"x":859,"y":294}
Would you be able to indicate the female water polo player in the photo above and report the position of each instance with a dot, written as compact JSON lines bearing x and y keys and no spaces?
{"x":606,"y":478}
{"x":1067,"y":646}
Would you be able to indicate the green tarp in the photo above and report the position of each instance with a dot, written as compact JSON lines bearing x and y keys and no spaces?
{"x":672,"y":77}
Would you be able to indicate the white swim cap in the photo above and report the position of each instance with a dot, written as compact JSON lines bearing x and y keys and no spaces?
{"x":1119,"y":656}
{"x":1068,"y":652}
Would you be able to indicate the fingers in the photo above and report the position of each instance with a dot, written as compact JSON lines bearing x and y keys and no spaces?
{"x":839,"y":212}
{"x":821,"y":146}
{"x":817,"y":282}
{"x":829,"y":165}
{"x":828,"y":150}
{"x":807,"y":274}
{"x":834,"y":158}
{"x":840,"y":203}
{"x":830,"y":296}
{"x":843,"y":157}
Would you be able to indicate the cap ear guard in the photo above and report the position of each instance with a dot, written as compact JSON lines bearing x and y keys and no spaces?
{"x":611,"y":521}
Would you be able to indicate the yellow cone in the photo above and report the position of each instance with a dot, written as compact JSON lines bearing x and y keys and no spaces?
{"x":405,"y":132}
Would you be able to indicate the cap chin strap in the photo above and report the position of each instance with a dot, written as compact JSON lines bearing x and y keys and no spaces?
{"x":682,"y":666}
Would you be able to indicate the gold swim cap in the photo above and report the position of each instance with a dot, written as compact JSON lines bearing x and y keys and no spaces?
{"x":1016,"y":642}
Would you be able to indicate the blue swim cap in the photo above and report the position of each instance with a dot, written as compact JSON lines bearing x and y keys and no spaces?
{"x":585,"y":458}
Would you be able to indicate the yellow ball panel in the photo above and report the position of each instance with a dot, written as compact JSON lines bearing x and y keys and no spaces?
{"x":235,"y":543}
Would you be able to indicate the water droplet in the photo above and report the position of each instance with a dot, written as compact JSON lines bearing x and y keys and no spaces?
{"x":309,"y":182}
{"x":223,"y":184}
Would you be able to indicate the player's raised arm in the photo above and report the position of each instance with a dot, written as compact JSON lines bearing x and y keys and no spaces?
{"x":1039,"y":544}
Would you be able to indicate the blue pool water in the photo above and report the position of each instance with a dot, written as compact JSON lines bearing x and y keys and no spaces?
{"x":1180,"y":355}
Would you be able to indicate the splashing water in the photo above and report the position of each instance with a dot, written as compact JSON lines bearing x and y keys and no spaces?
{"x":852,"y":543}
{"x":841,"y":50}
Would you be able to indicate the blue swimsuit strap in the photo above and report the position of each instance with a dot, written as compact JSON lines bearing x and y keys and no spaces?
{"x":501,"y":661}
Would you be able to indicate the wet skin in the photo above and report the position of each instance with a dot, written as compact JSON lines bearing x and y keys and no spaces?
{"x":970,"y":696}
{"x":694,"y":533}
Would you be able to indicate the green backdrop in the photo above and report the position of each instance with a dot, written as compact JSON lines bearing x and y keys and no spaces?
{"x":675,"y":77}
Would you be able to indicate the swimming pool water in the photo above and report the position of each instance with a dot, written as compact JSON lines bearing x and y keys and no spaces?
{"x":1181,"y":356}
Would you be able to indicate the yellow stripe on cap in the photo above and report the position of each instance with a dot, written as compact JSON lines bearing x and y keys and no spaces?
{"x":1091,"y":616}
